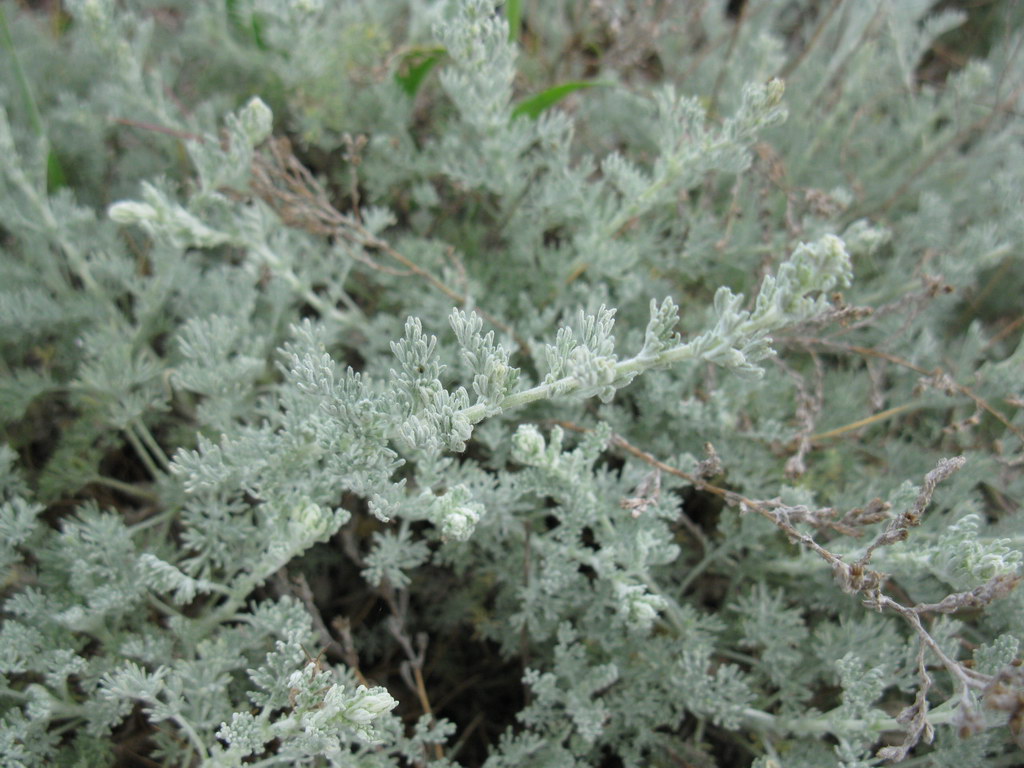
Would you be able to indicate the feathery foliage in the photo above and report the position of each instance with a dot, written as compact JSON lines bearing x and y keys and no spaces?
{"x":637,"y":385}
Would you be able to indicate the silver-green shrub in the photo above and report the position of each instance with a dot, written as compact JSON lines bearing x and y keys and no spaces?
{"x":637,"y":385}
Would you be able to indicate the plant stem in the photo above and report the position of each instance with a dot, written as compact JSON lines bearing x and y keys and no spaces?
{"x":31,"y":108}
{"x":143,"y":454}
{"x":147,"y":437}
{"x":126,"y":488}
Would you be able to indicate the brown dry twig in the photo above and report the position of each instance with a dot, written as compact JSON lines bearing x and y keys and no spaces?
{"x":646,"y":493}
{"x":937,"y":376}
{"x":858,"y":578}
{"x":411,"y":669}
{"x":809,"y":405}
{"x":291,"y":190}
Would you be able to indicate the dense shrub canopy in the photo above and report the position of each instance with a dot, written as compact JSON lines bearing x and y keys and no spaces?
{"x":513,"y":385}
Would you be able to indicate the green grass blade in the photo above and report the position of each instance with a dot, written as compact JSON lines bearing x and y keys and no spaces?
{"x":19,"y":75}
{"x":415,"y":65}
{"x":55,"y":176}
{"x":514,"y":15}
{"x":532,"y":106}
{"x":251,"y":29}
